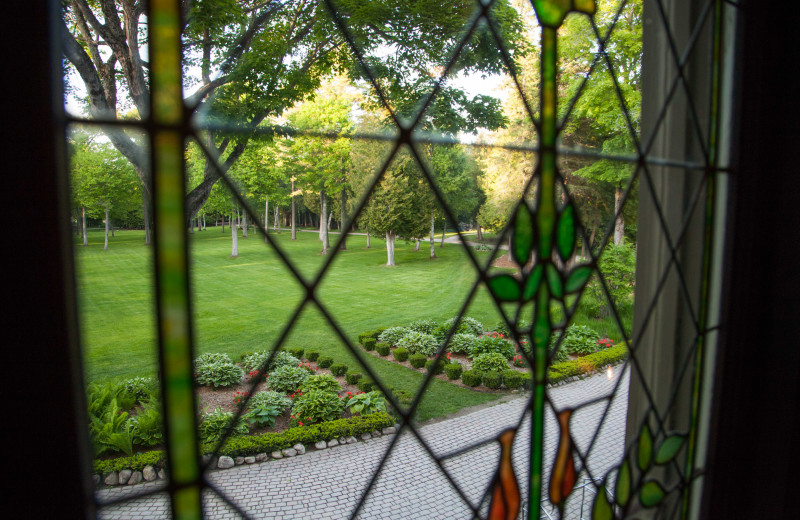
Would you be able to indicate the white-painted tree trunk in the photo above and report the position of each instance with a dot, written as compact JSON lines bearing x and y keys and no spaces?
{"x":105,"y":245}
{"x":323,"y":218}
{"x":619,"y":224}
{"x":204,"y":222}
{"x":294,"y":227}
{"x":444,"y":230}
{"x":83,"y":227}
{"x":433,"y":237}
{"x":234,"y":240}
{"x":416,"y":245}
{"x":390,"y":248}
{"x":275,"y":223}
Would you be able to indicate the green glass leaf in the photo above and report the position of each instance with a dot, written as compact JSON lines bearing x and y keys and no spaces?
{"x":565,"y":239}
{"x":577,"y":278}
{"x":532,"y":283}
{"x":645,"y":452}
{"x":601,"y":510}
{"x":522,"y":238}
{"x":505,"y":287}
{"x":622,"y":491}
{"x":669,"y":448}
{"x":554,"y":281}
{"x":651,"y":494}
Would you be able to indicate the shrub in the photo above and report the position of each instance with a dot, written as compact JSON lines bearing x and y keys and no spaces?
{"x":367,"y":403}
{"x":136,"y":463}
{"x":365,"y":335}
{"x":512,"y":379}
{"x":527,"y":380}
{"x":400,"y":354}
{"x":436,"y":369}
{"x":467,"y":325}
{"x":262,"y":415}
{"x":580,"y":340}
{"x":212,"y":357}
{"x":218,"y":373}
{"x":269,"y":398}
{"x":393,"y":335}
{"x":366,"y":384}
{"x":491,"y":362}
{"x":492,"y":343}
{"x":425,"y":326}
{"x":287,"y":379}
{"x":461,"y":343}
{"x":369,"y":344}
{"x":419,"y":343}
{"x":244,"y":354}
{"x":146,"y":426}
{"x":307,"y":367}
{"x":471,"y":378}
{"x":518,"y":361}
{"x":256,"y":360}
{"x":325,"y":362}
{"x":338,"y":369}
{"x":453,"y":370}
{"x":324,"y":382}
{"x":214,"y":424}
{"x":316,"y":406}
{"x":383,"y":349}
{"x":417,"y":360}
{"x":618,"y":266}
{"x":502,"y":328}
{"x":352,"y":377}
{"x":561,"y":371}
{"x":296,"y":352}
{"x":141,"y":388}
{"x":493,"y":380}
{"x":312,"y":355}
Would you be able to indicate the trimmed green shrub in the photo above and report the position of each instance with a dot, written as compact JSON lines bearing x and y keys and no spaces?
{"x":136,"y":462}
{"x":461,"y":343}
{"x":366,"y":384}
{"x":383,"y":349}
{"x":369,"y":344}
{"x":453,"y":370}
{"x":527,"y":380}
{"x":296,"y":352}
{"x":312,"y":355}
{"x":352,"y":377}
{"x":467,"y":325}
{"x":364,"y":335}
{"x":393,"y":335}
{"x":214,"y":424}
{"x":493,"y":380}
{"x":316,"y":406}
{"x":367,"y":403}
{"x":491,"y":362}
{"x":287,"y":379}
{"x":324,"y":382}
{"x":417,"y":360}
{"x":269,"y":398}
{"x":429,"y":366}
{"x":471,"y":378}
{"x":426,"y":326}
{"x":256,"y":360}
{"x":492,"y":343}
{"x":338,"y":369}
{"x":512,"y":379}
{"x":400,"y":354}
{"x":419,"y":343}
{"x":325,"y":362}
{"x":598,"y":360}
{"x":218,"y":374}
{"x":579,"y":340}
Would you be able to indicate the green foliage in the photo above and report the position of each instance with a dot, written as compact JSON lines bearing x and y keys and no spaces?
{"x":453,"y":370}
{"x":437,"y":369}
{"x":400,"y":354}
{"x":287,"y":379}
{"x":618,"y":266}
{"x":256,"y":361}
{"x":383,"y":349}
{"x":527,"y":381}
{"x":110,"y":430}
{"x":135,"y":463}
{"x":493,"y":380}
{"x":512,"y":379}
{"x":366,"y":384}
{"x":419,"y":343}
{"x":269,"y":398}
{"x":218,"y":374}
{"x":325,"y":362}
{"x":461,"y":343}
{"x":471,"y":377}
{"x":296,"y":352}
{"x":369,"y":344}
{"x":142,"y":388}
{"x":393,"y":335}
{"x":489,"y":344}
{"x":367,"y":403}
{"x":467,"y":325}
{"x":580,"y":339}
{"x":147,"y":426}
{"x":262,"y":415}
{"x":490,"y":362}
{"x":417,"y":360}
{"x":365,"y":335}
{"x":425,"y":326}
{"x":323,"y":382}
{"x":338,"y":369}
{"x":316,"y":406}
{"x":587,"y":364}
{"x":214,"y":424}
{"x":502,"y":328}
{"x":352,"y":377}
{"x":243,"y":355}
{"x":312,"y":355}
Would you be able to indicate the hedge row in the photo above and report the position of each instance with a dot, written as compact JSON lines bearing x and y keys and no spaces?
{"x":136,"y":462}
{"x":586,"y":364}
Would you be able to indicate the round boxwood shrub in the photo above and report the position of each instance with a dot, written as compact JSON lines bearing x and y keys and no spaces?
{"x":393,"y":335}
{"x":419,"y":343}
{"x":453,"y":370}
{"x":296,"y":352}
{"x":321,"y":382}
{"x":312,"y":355}
{"x":369,"y":344}
{"x":492,"y":343}
{"x":383,"y":349}
{"x":366,"y":384}
{"x":338,"y":369}
{"x":352,"y":377}
{"x":426,"y":326}
{"x":417,"y":360}
{"x":316,"y":406}
{"x":400,"y":354}
{"x":461,"y":343}
{"x":325,"y":362}
{"x":493,"y":380}
{"x":471,"y":377}
{"x":429,"y":366}
{"x":287,"y":379}
{"x":491,"y":362}
{"x":512,"y":379}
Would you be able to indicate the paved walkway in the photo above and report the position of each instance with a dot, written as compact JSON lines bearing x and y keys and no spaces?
{"x":328,"y":484}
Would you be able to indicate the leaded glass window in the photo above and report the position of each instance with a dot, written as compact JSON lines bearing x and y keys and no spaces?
{"x":565,"y":61}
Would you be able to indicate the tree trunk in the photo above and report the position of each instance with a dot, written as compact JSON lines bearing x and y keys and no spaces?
{"x":344,"y":215}
{"x":433,"y":237}
{"x":444,"y":229}
{"x":390,"y":248}
{"x":330,"y":217}
{"x":368,"y":236}
{"x":234,"y":240}
{"x":294,"y":227}
{"x":191,"y":225}
{"x":105,"y":246}
{"x":619,"y":224}
{"x":83,"y":228}
{"x":276,"y":223}
{"x":244,"y":224}
{"x":204,"y":222}
{"x":323,"y":224}
{"x":416,"y":245}
{"x":112,"y":230}
{"x":480,"y":233}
